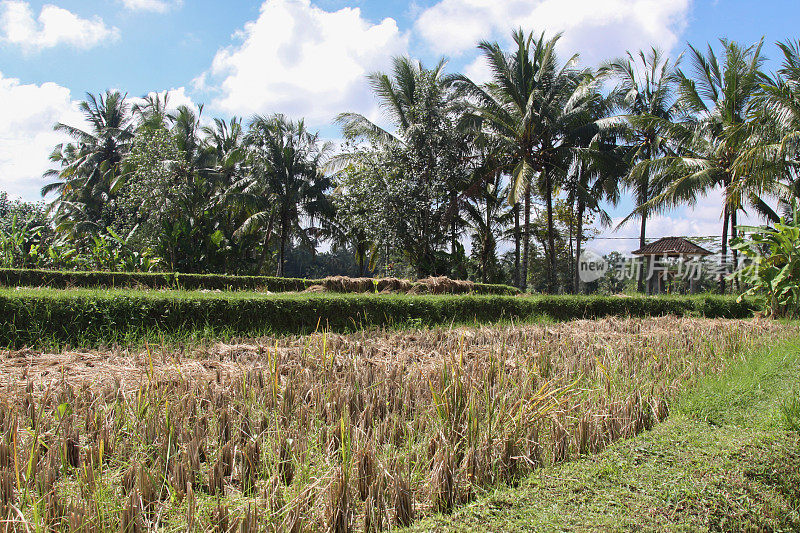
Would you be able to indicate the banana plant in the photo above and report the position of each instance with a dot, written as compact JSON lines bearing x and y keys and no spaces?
{"x":19,"y":244}
{"x":61,"y":256}
{"x":771,"y":268}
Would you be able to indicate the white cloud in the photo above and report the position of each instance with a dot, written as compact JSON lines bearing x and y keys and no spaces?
{"x":479,"y":70}
{"x":156,"y":6}
{"x":27,"y":116}
{"x":53,"y":27}
{"x":175,"y":99}
{"x":303,"y":61}
{"x":598,"y":29}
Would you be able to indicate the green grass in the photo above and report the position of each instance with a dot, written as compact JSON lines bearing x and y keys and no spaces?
{"x":91,"y":317}
{"x":750,"y":394}
{"x":726,"y":460}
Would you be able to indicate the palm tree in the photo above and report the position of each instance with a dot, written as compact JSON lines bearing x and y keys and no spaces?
{"x":593,"y":178}
{"x":411,"y":97}
{"x":532,"y":106}
{"x":348,"y":227}
{"x":646,"y":88}
{"x":488,"y":215}
{"x":90,"y":166}
{"x":772,"y":163}
{"x":224,"y":143}
{"x":710,"y":144}
{"x":285,"y":183}
{"x":152,"y":111}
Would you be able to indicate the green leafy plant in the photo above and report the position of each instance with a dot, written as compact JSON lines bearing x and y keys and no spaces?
{"x":20,"y":243}
{"x":772,"y":264}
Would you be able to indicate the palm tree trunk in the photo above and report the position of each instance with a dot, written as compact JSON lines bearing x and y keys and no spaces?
{"x":453,"y":223}
{"x":386,"y":261}
{"x":267,"y":238}
{"x":578,"y":238}
{"x":572,"y":260}
{"x":264,"y":257}
{"x":487,"y":238}
{"x":282,"y":252}
{"x":516,"y":246}
{"x":526,"y":239}
{"x":548,"y":184}
{"x":485,"y":261}
{"x":724,"y":253}
{"x":645,"y":259}
{"x":642,"y":197}
{"x":733,"y":250}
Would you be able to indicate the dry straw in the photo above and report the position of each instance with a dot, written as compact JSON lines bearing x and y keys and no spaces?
{"x":367,"y":431}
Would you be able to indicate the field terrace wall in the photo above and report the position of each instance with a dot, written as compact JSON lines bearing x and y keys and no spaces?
{"x":32,"y":317}
{"x":221,"y":282}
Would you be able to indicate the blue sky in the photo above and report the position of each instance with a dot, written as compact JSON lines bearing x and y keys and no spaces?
{"x":308,"y":58}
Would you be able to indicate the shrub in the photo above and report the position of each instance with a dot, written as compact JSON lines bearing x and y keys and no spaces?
{"x":34,"y":317}
{"x":147,"y":280}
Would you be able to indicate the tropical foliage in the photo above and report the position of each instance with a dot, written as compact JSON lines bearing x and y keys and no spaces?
{"x":772,"y":267}
{"x":502,"y":181}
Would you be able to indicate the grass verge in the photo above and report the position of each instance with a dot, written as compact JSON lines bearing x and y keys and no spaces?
{"x":724,"y":461}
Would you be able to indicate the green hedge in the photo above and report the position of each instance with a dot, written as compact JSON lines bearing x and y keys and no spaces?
{"x":173,"y":280}
{"x":146,"y":280}
{"x":80,"y":317}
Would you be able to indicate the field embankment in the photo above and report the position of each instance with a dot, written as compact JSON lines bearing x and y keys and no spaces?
{"x":54,"y":279}
{"x":723,"y":461}
{"x":341,"y":432}
{"x":79,"y":317}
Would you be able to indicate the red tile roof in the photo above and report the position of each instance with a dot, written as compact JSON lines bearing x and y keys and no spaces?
{"x":672,"y":246}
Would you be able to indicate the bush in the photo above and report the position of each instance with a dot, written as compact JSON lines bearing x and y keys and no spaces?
{"x":79,"y":317}
{"x":147,"y":280}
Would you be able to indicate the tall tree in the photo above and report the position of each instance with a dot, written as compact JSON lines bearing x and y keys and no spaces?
{"x":285,"y":183}
{"x":224,"y":142}
{"x":771,"y":164}
{"x":426,"y":152}
{"x":360,"y":222}
{"x":532,"y":106}
{"x":487,"y":216}
{"x":593,"y":179}
{"x":710,"y":142}
{"x":90,"y":167}
{"x":646,"y":88}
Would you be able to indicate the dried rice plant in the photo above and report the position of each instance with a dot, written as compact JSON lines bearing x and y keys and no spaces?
{"x":358,"y":432}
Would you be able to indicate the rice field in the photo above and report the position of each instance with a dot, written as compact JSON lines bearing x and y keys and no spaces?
{"x":368,"y":431}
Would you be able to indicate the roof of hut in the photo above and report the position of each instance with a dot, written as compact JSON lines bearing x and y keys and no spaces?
{"x":672,"y":246}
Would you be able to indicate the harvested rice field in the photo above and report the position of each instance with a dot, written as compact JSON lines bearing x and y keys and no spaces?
{"x":368,"y":431}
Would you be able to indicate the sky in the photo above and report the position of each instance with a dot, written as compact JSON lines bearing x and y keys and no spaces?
{"x":309,"y":59}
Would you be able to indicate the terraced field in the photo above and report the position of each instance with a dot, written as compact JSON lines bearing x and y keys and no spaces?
{"x":365,"y":431}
